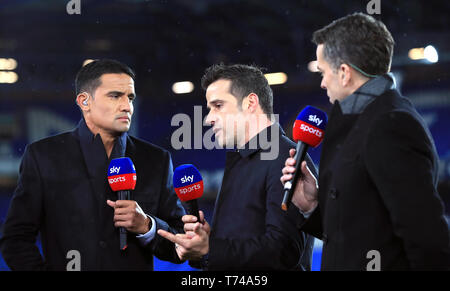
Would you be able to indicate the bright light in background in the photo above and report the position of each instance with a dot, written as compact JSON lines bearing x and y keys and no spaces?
{"x":8,"y":77}
{"x":8,"y":64}
{"x":416,"y":53}
{"x":88,"y":61}
{"x":431,"y":54}
{"x":276,"y":78}
{"x":312,"y":67}
{"x":183,"y":87}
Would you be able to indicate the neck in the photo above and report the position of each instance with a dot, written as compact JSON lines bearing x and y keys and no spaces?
{"x":358,"y":83}
{"x":255,"y":124}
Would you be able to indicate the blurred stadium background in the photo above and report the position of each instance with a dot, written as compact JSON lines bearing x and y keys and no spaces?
{"x":169,"y":41}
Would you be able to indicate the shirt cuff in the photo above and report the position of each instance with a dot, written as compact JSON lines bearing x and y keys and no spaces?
{"x":147,"y":237}
{"x":306,"y":215}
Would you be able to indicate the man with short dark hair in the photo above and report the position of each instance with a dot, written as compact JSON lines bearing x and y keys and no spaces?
{"x":376,"y":206}
{"x":249,"y":230}
{"x":63,"y":193}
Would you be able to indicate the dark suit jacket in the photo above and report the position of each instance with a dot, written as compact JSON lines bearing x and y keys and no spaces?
{"x":62,"y":192}
{"x":250,"y":231}
{"x":377,"y":190}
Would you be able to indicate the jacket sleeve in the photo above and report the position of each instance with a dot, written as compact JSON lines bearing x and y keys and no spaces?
{"x":170,"y":212}
{"x":18,"y":244}
{"x":400,"y":159}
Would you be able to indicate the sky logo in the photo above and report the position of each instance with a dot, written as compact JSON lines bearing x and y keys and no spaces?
{"x":315,"y":119}
{"x":187,"y":179}
{"x":114,"y":170}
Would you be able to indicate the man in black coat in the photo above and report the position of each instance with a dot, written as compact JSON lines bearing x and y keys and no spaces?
{"x":63,"y":193}
{"x":376,"y":206}
{"x":249,"y":230}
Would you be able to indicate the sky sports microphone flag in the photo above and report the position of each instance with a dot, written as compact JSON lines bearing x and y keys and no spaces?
{"x":121,"y":174}
{"x":122,"y":179}
{"x":188,"y":185}
{"x":309,"y":129}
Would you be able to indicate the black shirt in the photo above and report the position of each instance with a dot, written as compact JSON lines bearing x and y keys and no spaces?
{"x":250,"y":231}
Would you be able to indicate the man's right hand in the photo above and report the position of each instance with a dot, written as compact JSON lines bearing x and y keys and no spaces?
{"x":306,"y":191}
{"x":195,"y":242}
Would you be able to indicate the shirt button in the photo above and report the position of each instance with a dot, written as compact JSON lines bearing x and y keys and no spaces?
{"x":333,"y":193}
{"x":102,"y":244}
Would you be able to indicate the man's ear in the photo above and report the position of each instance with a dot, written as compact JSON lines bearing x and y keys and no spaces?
{"x":250,"y":103}
{"x":345,"y":75}
{"x":83,"y":101}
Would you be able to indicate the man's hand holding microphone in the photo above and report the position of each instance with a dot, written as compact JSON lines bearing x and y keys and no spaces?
{"x":305,"y":195}
{"x":300,"y":186}
{"x":194,"y":243}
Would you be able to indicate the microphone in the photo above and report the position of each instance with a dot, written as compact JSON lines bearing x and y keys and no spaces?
{"x":122,"y":179}
{"x":309,"y":128}
{"x":188,"y":185}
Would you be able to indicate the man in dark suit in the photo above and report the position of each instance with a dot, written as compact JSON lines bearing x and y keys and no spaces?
{"x":63,"y":193}
{"x":376,"y":206}
{"x":249,"y":230}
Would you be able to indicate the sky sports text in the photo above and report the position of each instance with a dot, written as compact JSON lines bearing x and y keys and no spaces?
{"x":308,"y":129}
{"x":187,"y":179}
{"x":114,"y":170}
{"x":315,"y":119}
{"x":119,"y":179}
{"x":188,"y":189}
{"x":116,"y":180}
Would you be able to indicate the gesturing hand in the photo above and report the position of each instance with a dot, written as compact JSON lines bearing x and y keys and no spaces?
{"x":194,"y":243}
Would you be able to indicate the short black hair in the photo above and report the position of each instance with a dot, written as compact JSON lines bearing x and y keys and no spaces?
{"x":88,"y":77}
{"x":245,"y":79}
{"x":357,"y":39}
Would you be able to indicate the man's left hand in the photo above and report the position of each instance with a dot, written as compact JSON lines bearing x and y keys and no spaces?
{"x":128,"y":214}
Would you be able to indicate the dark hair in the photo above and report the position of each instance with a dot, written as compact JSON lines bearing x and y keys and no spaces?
{"x":88,"y":77}
{"x":244,"y":79}
{"x":357,"y":39}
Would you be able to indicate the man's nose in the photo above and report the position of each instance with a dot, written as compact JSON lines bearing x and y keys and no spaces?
{"x":210,"y":119}
{"x":125,"y":105}
{"x":322,"y":85}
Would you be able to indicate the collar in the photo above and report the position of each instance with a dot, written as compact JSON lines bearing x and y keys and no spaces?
{"x":93,"y":150}
{"x":358,"y":101}
{"x":262,"y":141}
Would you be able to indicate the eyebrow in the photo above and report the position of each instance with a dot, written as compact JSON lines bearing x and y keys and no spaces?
{"x":120,"y":93}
